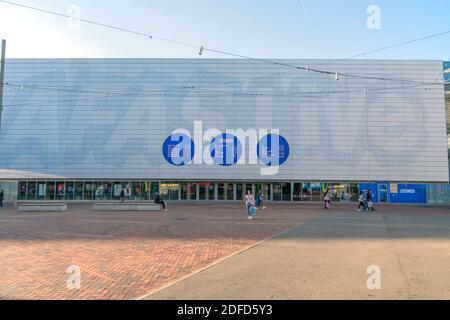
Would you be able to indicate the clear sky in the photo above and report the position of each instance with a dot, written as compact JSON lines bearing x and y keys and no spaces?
{"x":264,"y":29}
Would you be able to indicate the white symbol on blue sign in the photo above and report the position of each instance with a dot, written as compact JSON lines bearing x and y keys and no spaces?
{"x":273,"y":150}
{"x":226,"y":150}
{"x":179,"y":149}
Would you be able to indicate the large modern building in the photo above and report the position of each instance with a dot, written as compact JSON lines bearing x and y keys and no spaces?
{"x":209,"y":130}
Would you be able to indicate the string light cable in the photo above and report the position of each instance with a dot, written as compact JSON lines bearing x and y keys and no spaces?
{"x":115,"y":95}
{"x":337,"y":75}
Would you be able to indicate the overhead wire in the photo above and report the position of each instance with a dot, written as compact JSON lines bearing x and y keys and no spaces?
{"x":201,"y":48}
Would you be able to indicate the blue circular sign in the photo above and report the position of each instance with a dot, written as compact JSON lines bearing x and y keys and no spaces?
{"x":226,"y":150}
{"x":179,"y":149}
{"x":273,"y":150}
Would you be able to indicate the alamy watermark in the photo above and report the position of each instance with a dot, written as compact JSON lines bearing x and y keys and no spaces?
{"x":73,"y":282}
{"x":374,"y":19}
{"x":374,"y":280}
{"x":227,"y":148}
{"x":73,"y":21}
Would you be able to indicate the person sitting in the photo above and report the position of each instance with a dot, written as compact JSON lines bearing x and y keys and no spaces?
{"x":160,"y":201}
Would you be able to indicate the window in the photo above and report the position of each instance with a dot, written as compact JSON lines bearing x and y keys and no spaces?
{"x":297,"y":192}
{"x":79,"y":190}
{"x":316,"y":189}
{"x":267,"y":193}
{"x":70,"y":190}
{"x":88,"y":190}
{"x":60,"y":190}
{"x":277,"y":192}
{"x":41,"y":190}
{"x":230,"y":191}
{"x":170,"y":190}
{"x":107,"y":190}
{"x":212,"y":191}
{"x":136,"y":190}
{"x":203,"y":191}
{"x":239,"y":191}
{"x":183,"y":191}
{"x":22,"y":194}
{"x":286,"y":190}
{"x":340,"y":192}
{"x":126,"y":186}
{"x":154,"y":190}
{"x":258,"y":188}
{"x":306,"y":192}
{"x":97,"y":190}
{"x":146,"y":188}
{"x":117,"y":188}
{"x":221,"y":191}
{"x":192,"y":188}
{"x":31,"y":191}
{"x":50,"y":194}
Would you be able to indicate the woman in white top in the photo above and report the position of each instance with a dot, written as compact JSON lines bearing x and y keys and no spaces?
{"x":249,"y":202}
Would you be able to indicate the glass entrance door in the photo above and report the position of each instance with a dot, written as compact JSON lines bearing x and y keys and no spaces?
{"x":383,"y":193}
{"x":267,"y":191}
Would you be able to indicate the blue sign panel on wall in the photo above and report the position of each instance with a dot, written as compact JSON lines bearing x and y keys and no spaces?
{"x":226,"y":150}
{"x":410,"y":193}
{"x":178,"y":149}
{"x":273,"y":150}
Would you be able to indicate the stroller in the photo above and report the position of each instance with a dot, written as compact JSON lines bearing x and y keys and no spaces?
{"x":369,"y":206}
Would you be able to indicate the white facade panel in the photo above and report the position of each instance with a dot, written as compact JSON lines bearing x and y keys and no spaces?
{"x":109,"y":118}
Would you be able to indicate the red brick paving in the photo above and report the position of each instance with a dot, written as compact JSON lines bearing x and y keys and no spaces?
{"x":126,"y":255}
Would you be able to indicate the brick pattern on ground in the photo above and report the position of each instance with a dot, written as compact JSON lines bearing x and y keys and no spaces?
{"x":124,"y":255}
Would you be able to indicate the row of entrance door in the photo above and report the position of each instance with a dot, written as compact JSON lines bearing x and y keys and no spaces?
{"x":216,"y":191}
{"x":288,"y":191}
{"x":282,"y":191}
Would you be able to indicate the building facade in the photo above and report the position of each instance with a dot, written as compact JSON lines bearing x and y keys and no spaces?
{"x":192,"y":129}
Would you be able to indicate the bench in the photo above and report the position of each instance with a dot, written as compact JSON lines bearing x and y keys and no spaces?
{"x":42,"y":207}
{"x":124,"y":206}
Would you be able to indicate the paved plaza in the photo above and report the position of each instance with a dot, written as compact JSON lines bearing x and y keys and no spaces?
{"x":212,"y":251}
{"x":124,"y":255}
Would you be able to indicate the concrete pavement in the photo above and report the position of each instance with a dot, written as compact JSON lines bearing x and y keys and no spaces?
{"x":328,"y":257}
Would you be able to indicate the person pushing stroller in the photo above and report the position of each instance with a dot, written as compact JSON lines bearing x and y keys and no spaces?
{"x":366,"y":201}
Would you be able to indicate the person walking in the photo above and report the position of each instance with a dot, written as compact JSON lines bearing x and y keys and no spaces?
{"x":2,"y":194}
{"x":258,"y":200}
{"x":361,"y":201}
{"x":370,"y":201}
{"x":160,"y":201}
{"x":249,"y":203}
{"x":261,"y":200}
{"x":327,"y":199}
